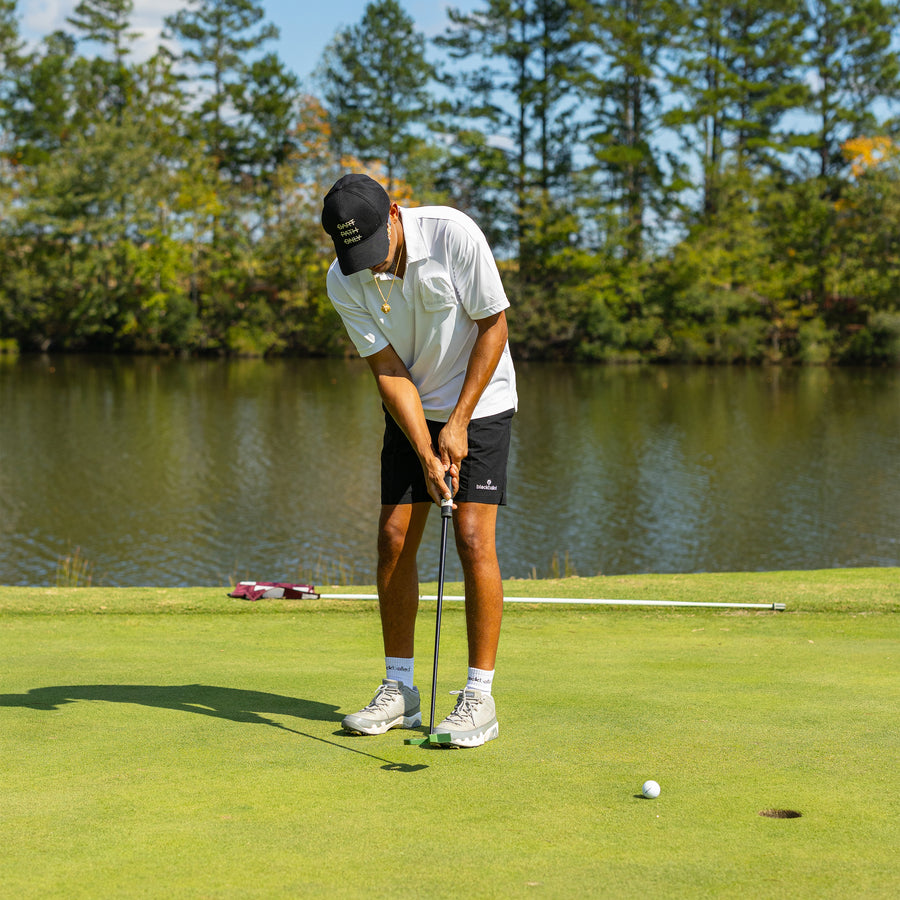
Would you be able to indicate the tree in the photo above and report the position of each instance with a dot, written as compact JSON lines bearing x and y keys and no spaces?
{"x":852,"y":64}
{"x":11,"y":59}
{"x":106,"y":22}
{"x":374,"y":77}
{"x":10,"y":42}
{"x":629,"y":39}
{"x":40,"y":106}
{"x":242,"y":122}
{"x":521,"y":101}
{"x":735,"y":74}
{"x":269,"y":107}
{"x":864,"y":310}
{"x":217,"y":37}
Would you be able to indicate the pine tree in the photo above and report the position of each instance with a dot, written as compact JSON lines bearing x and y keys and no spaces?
{"x":107,"y":23}
{"x":10,"y":41}
{"x":629,"y":39}
{"x":217,"y":38}
{"x":270,"y":107}
{"x":40,"y":106}
{"x":512,"y":90}
{"x":735,"y":74}
{"x":852,"y":65}
{"x":11,"y":60}
{"x":375,"y":80}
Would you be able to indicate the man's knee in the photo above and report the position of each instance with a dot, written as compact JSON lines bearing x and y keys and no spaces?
{"x":399,"y":534}
{"x":475,"y":538}
{"x":391,"y":541}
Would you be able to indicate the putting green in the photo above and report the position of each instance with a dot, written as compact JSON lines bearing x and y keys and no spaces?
{"x":178,"y":744}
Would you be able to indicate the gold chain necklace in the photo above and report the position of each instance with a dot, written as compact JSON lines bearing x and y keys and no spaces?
{"x":385,"y":304}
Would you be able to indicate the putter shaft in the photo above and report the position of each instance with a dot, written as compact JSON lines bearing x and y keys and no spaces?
{"x":446,"y":514}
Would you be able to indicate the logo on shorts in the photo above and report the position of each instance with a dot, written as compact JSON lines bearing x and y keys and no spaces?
{"x":487,"y":487}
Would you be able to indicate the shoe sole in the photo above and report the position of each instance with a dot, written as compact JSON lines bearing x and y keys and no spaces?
{"x":353,"y":725}
{"x":473,"y":739}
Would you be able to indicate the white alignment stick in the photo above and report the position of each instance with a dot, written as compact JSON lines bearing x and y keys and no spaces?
{"x":580,"y":601}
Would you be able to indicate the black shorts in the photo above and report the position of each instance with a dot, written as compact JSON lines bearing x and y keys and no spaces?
{"x":482,"y":477}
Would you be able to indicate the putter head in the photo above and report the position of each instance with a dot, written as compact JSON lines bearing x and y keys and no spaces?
{"x":440,"y":740}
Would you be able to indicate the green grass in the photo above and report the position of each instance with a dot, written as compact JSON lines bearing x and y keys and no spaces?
{"x":176,"y":743}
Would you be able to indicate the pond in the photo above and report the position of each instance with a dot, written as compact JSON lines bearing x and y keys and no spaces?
{"x":148,"y":471}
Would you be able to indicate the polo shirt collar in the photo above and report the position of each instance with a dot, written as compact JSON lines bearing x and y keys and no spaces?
{"x":416,"y":248}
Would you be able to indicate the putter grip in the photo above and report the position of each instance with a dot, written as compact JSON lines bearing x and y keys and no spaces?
{"x":447,"y":503}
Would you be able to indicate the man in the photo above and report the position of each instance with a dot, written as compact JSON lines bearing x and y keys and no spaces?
{"x":420,"y":296}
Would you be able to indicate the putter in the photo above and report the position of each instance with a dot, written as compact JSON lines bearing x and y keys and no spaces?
{"x":446,"y":514}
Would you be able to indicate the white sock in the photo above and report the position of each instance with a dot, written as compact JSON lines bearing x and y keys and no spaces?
{"x":400,"y":669}
{"x":480,"y":679}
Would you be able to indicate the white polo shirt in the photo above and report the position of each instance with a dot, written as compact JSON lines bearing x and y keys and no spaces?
{"x":451,"y":281}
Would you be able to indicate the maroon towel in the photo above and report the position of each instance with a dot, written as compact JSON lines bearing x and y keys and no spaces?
{"x":254,"y":590}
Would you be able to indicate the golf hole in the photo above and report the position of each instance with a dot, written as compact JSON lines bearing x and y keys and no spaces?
{"x":780,"y":813}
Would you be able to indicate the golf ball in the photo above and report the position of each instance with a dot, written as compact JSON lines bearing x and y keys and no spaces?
{"x":650,"y":790}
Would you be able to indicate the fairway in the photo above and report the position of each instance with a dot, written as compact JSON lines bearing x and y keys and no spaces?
{"x":180,"y":744}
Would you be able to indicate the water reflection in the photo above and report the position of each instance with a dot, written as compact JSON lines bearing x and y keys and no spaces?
{"x":719,"y":469}
{"x":176,"y":472}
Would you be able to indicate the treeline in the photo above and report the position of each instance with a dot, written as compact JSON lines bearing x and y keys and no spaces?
{"x":698,"y":181}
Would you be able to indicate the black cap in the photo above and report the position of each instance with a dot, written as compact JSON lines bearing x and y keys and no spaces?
{"x":355,"y":213}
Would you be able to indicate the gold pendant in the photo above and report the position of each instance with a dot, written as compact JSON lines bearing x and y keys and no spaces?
{"x":385,"y":307}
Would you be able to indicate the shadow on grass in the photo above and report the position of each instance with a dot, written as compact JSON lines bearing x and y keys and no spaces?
{"x":232,"y":704}
{"x":222,"y":703}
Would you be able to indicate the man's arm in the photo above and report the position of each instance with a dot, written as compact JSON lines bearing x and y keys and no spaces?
{"x":453,"y":442}
{"x":401,"y":399}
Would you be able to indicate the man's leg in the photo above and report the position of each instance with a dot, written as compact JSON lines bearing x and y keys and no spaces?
{"x":396,"y":703}
{"x":475,"y":526}
{"x":400,"y":530}
{"x":474,"y":719}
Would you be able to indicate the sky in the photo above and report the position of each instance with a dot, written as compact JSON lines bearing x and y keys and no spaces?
{"x":306,"y":27}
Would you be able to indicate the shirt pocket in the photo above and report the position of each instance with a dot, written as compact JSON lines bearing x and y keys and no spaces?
{"x":435,"y":290}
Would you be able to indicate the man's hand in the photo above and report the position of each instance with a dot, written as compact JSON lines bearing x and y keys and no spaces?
{"x":436,"y":478}
{"x":453,"y":448}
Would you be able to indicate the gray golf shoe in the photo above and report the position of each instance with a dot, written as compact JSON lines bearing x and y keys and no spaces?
{"x":473,"y":720}
{"x":393,"y":706}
